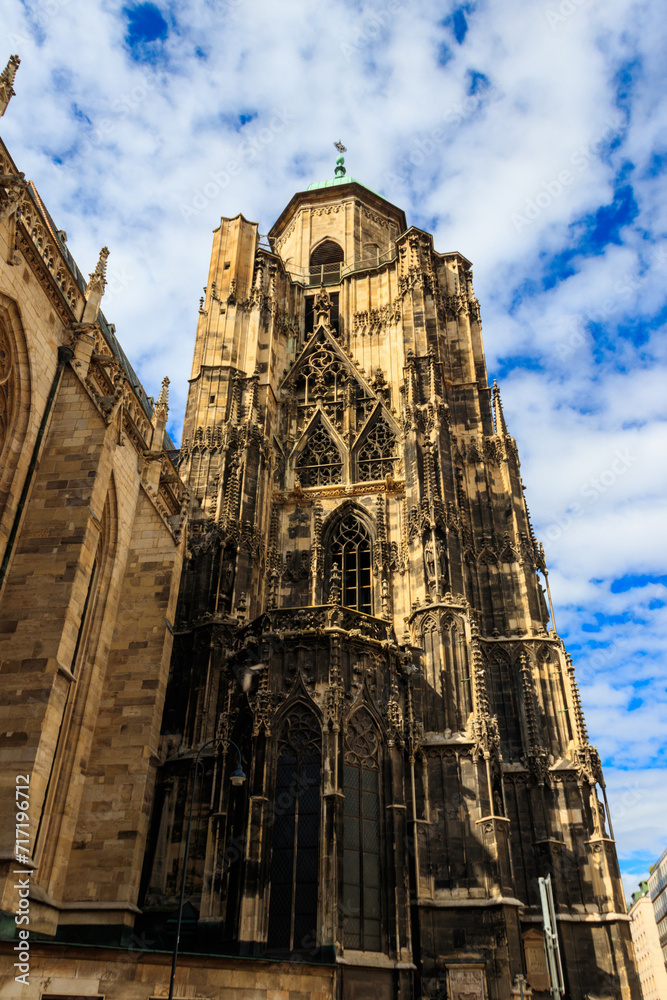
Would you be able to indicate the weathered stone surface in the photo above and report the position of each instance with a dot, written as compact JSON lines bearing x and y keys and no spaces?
{"x":91,"y":558}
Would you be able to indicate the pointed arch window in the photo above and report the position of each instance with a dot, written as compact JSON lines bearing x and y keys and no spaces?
{"x":362,"y":899}
{"x":350,"y":548}
{"x":503,"y":697}
{"x":320,"y":462}
{"x":377,"y":454}
{"x":296,"y":834}
{"x":15,"y":395}
{"x":7,"y":385}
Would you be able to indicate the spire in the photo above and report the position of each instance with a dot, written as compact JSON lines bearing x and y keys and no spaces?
{"x":7,"y":78}
{"x":98,"y":278}
{"x":160,"y":415}
{"x":95,"y":288}
{"x":163,"y":398}
{"x":498,"y":416}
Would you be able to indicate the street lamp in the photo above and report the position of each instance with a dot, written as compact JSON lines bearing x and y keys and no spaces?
{"x":237,"y":778}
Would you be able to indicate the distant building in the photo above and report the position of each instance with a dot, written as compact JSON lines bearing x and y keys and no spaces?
{"x":657,"y":887}
{"x":646,"y":939}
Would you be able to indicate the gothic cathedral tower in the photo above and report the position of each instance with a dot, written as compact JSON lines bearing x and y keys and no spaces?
{"x":361,"y":613}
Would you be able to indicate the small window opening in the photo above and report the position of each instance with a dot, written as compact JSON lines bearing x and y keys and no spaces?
{"x":325,"y":263}
{"x":310,"y":314}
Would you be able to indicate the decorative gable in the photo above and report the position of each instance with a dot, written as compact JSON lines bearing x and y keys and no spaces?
{"x":323,"y":376}
{"x":319,"y":462}
{"x":376,"y":452}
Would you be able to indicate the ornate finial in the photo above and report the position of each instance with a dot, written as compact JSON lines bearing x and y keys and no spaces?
{"x":7,"y":78}
{"x":163,"y":398}
{"x":340,"y":169}
{"x":95,"y":288}
{"x":501,"y":426}
{"x":98,"y":278}
{"x":335,"y":581}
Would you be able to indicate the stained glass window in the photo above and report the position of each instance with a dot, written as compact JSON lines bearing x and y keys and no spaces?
{"x":296,"y":831}
{"x":362,"y":901}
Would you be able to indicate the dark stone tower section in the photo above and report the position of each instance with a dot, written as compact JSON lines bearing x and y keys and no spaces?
{"x":361,"y":612}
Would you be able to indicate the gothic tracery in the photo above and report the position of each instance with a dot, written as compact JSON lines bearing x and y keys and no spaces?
{"x":320,"y":463}
{"x":377,"y":455}
{"x":362,"y":742}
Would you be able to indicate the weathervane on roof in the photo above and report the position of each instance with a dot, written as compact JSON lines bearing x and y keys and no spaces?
{"x":340,"y":169}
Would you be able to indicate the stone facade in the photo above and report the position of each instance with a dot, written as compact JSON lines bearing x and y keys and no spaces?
{"x":91,"y":514}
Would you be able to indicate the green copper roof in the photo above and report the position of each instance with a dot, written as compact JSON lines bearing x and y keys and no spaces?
{"x":335,"y":181}
{"x":330,"y":183}
{"x":340,"y":177}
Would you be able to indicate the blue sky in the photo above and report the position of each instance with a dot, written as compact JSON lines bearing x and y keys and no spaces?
{"x":531,"y":135}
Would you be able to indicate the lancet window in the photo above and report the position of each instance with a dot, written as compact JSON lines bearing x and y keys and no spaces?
{"x":377,"y":455}
{"x":362,"y":900}
{"x":503,"y":697}
{"x":350,"y":547}
{"x":320,"y":463}
{"x":296,"y":834}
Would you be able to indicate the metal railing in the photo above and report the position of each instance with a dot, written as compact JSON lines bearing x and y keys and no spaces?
{"x":333,"y":274}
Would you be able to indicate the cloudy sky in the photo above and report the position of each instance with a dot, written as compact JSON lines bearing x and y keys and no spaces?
{"x":528,"y":134}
